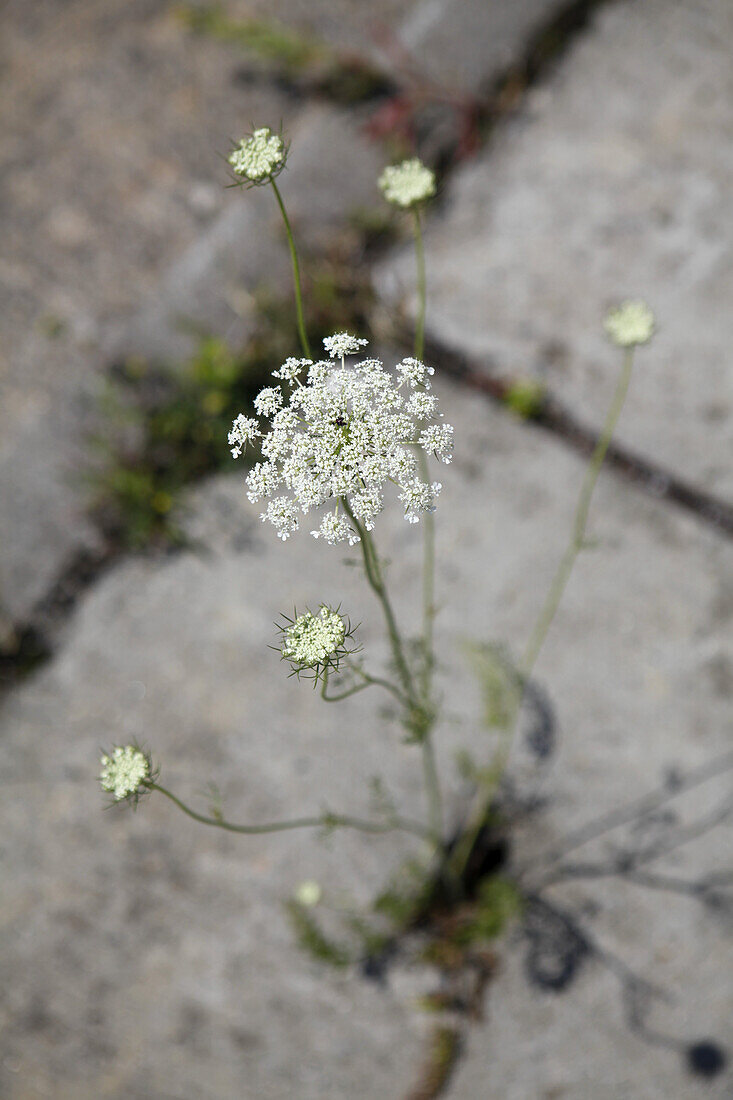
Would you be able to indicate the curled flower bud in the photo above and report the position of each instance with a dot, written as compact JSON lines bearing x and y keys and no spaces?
{"x":260,"y":157}
{"x":630,"y":325}
{"x":124,"y":771}
{"x":407,"y":184}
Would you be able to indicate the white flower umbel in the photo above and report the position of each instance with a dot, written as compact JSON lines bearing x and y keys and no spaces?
{"x":259,"y":158}
{"x":244,"y":430}
{"x":316,"y":644}
{"x":407,"y":184}
{"x":343,"y":344}
{"x":631,"y":324}
{"x":123,"y":771}
{"x":343,"y":434}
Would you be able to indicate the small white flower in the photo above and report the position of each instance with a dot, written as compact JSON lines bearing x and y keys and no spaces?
{"x":268,"y":401}
{"x":343,"y":344}
{"x":291,"y":370}
{"x":335,"y":529}
{"x":422,"y":405}
{"x":408,"y":183}
{"x":312,"y":639}
{"x":282,"y":513}
{"x":437,"y":439}
{"x":419,"y":497}
{"x":244,"y":430}
{"x":414,"y":372}
{"x":262,"y":480}
{"x":259,"y":157}
{"x":366,"y":506}
{"x":308,"y":894}
{"x":123,"y":771}
{"x":631,"y":324}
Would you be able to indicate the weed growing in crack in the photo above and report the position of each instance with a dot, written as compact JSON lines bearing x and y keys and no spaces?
{"x":336,"y":441}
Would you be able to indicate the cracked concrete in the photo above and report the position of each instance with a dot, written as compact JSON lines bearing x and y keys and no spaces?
{"x":146,"y":958}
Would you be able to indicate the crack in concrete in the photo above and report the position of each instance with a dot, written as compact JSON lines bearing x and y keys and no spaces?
{"x":556,"y":418}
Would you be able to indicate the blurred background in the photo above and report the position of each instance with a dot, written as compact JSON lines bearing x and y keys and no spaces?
{"x":584,"y":154}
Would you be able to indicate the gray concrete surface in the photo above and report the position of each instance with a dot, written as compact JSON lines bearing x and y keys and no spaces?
{"x":614,"y":181}
{"x":465,"y":44}
{"x":112,"y":116}
{"x":146,"y":956}
{"x":120,"y":231}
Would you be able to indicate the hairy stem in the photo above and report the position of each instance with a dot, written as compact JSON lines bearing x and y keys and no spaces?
{"x":325,"y":820}
{"x":296,"y":273}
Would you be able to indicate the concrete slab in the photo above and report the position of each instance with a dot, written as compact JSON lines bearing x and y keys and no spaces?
{"x":614,"y":182}
{"x":148,"y":956}
{"x":465,"y":44}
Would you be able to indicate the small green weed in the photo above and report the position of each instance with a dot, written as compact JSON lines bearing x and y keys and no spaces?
{"x":165,"y":427}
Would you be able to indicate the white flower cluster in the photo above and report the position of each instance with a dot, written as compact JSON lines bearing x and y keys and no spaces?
{"x":408,"y":183}
{"x":339,"y":437}
{"x":312,"y":639}
{"x":259,"y":157}
{"x":631,"y":324}
{"x":124,"y":771}
{"x":343,"y":343}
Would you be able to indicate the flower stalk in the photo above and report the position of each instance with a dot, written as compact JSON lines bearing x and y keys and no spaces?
{"x":484,"y":799}
{"x":302,"y":333}
{"x":326,"y":820}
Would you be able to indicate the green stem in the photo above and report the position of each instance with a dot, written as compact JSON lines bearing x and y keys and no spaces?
{"x":374,"y":577}
{"x":432,"y":785}
{"x":376,"y":582}
{"x":421,"y":286}
{"x":479,"y":814}
{"x":325,"y":820}
{"x":432,"y":782}
{"x":296,"y":273}
{"x":428,"y":519}
{"x":580,"y":522}
{"x":368,"y":681}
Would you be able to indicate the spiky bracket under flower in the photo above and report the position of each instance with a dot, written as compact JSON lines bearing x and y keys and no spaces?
{"x":316,"y":645}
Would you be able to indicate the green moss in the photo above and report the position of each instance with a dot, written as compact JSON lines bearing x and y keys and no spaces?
{"x":525,"y":398}
{"x":165,"y":426}
{"x":342,"y":78}
{"x":163,"y":429}
{"x":443,"y":1052}
{"x":266,"y":38}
